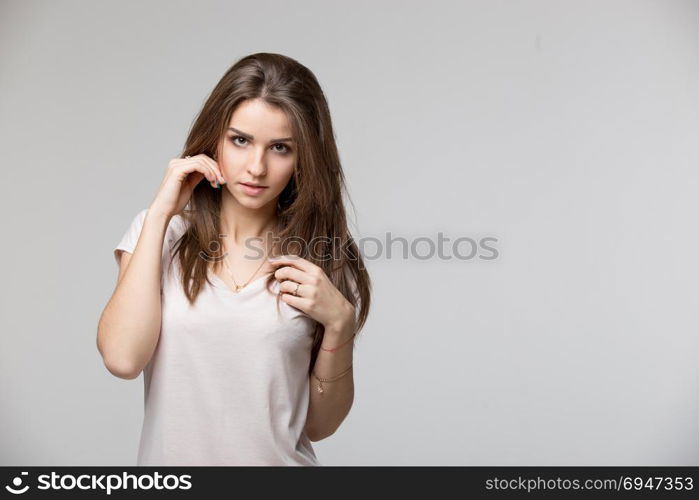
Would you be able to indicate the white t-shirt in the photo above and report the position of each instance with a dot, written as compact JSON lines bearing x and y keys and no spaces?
{"x":228,"y":381}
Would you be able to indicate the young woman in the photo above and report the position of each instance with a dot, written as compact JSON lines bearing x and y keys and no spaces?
{"x":246,"y":360}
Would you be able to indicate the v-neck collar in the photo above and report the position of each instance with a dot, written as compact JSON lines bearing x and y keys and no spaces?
{"x":222,"y":285}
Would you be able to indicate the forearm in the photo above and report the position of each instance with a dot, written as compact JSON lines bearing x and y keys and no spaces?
{"x":327,"y":409}
{"x":129,"y":327}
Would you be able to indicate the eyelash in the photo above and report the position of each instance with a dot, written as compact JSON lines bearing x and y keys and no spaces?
{"x":286,"y":151}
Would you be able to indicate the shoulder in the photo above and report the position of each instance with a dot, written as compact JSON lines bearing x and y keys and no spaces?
{"x":175,"y":229}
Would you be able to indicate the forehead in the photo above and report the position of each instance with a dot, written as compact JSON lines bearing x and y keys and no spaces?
{"x":260,"y":119}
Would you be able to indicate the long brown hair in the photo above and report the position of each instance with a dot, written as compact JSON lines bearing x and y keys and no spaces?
{"x":309,"y":209}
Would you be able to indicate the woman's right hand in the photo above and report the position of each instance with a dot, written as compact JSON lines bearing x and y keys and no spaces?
{"x":181,"y":177}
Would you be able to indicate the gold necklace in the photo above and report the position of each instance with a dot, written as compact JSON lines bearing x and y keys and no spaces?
{"x":240,"y":287}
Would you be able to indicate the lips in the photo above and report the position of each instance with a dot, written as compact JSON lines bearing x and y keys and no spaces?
{"x":252,"y":190}
{"x":253,"y":185}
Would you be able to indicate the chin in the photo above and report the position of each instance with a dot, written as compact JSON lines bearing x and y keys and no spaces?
{"x":252,"y":203}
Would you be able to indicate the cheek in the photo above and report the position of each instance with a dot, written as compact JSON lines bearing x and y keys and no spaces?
{"x":284,"y":174}
{"x":288,"y":166}
{"x":281,"y":168}
{"x":228,"y":155}
{"x":230,"y":162}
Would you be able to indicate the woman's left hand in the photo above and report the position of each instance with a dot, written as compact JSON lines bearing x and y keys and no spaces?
{"x":316,"y":295}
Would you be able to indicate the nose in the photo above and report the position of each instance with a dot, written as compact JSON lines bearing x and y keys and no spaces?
{"x":256,"y":166}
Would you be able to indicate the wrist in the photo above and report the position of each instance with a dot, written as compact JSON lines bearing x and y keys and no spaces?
{"x":160,"y":216}
{"x":337,"y":337}
{"x":341,"y":327}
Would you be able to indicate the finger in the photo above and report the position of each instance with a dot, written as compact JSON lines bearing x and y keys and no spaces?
{"x":202,"y":159}
{"x":289,"y":286}
{"x":190,"y":165}
{"x":298,"y":302}
{"x":216,"y":168}
{"x":195,"y":163}
{"x":293,"y":260}
{"x":291,"y":273}
{"x":193,"y":179}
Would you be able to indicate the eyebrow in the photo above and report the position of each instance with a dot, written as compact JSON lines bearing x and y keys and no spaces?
{"x":251,"y":138}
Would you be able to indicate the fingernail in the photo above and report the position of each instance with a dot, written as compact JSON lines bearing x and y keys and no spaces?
{"x":218,"y":186}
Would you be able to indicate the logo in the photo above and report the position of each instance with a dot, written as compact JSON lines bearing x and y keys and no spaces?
{"x":104,"y":482}
{"x":17,"y":482}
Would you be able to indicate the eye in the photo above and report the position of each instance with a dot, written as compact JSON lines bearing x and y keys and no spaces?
{"x":285,"y":150}
{"x":235,"y":138}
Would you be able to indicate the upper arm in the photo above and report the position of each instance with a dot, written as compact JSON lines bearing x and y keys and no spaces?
{"x":124,"y":258}
{"x":123,"y":263}
{"x":126,"y":246}
{"x":123,"y":252}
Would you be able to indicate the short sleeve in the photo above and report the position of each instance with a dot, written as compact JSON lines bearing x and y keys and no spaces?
{"x":130,"y":237}
{"x":175,"y":229}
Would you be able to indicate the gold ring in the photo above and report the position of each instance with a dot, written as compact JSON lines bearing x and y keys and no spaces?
{"x":296,"y":292}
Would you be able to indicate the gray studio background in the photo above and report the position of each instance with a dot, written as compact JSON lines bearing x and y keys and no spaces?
{"x":567,"y":130}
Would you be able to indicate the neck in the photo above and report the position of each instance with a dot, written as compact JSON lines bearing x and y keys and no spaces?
{"x":241,"y":223}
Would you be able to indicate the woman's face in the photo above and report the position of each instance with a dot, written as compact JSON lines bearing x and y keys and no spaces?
{"x":257,"y":149}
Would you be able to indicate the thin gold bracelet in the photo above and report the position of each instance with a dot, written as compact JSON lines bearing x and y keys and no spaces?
{"x":321,"y":380}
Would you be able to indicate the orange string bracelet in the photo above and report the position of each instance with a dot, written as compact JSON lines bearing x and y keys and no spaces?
{"x":333,"y":349}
